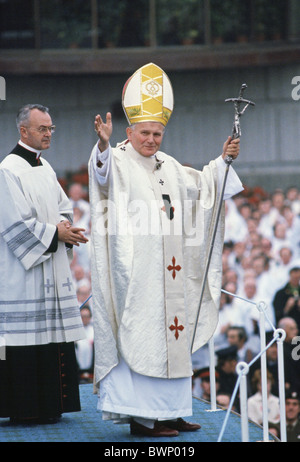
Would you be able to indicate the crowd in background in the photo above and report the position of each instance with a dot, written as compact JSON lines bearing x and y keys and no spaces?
{"x":261,"y":263}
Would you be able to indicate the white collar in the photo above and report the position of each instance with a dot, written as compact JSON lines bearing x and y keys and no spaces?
{"x":29,"y":148}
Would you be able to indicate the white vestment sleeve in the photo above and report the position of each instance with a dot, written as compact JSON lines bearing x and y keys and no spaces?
{"x":25,"y":236}
{"x":233,"y":183}
{"x":102,"y":173}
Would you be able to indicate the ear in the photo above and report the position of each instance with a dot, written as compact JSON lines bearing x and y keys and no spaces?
{"x":129,"y":132}
{"x":23,"y":132}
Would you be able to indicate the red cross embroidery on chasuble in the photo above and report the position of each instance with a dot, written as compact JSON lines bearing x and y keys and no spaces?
{"x":176,"y":327}
{"x":174,"y":268}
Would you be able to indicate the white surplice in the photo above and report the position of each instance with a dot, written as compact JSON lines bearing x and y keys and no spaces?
{"x":38,"y":303}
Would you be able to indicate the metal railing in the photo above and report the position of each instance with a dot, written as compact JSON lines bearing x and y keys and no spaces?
{"x":242,"y":370}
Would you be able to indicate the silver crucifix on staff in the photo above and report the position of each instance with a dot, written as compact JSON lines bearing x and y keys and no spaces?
{"x":236,"y":133}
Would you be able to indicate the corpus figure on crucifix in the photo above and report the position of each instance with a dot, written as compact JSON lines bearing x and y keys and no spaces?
{"x":151,"y":221}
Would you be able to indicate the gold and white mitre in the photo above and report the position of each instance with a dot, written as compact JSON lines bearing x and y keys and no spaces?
{"x":148,"y":96}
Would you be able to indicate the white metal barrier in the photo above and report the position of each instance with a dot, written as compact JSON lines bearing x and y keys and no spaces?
{"x":242,"y":370}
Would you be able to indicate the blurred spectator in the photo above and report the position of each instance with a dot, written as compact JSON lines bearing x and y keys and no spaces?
{"x":227,"y":314}
{"x":272,"y":365}
{"x":291,"y":366}
{"x":81,"y":210}
{"x":287,"y":300}
{"x":223,"y":400}
{"x":279,"y":272}
{"x":279,"y":238}
{"x":225,"y":320}
{"x":266,"y":247}
{"x":246,"y":312}
{"x":226,"y":364}
{"x":80,"y":277}
{"x":255,"y":408}
{"x":230,"y":275}
{"x":274,"y":429}
{"x":201,"y":383}
{"x":293,"y":199}
{"x":236,"y":257}
{"x":77,"y":196}
{"x":267,"y":221}
{"x":83,"y":292}
{"x":245,"y":211}
{"x":290,"y":327}
{"x":293,"y":229}
{"x":236,"y":335}
{"x":83,"y":256}
{"x":246,"y":266}
{"x":261,"y":265}
{"x":292,"y":412}
{"x":85,"y":348}
{"x":235,"y":224}
{"x":277,"y":205}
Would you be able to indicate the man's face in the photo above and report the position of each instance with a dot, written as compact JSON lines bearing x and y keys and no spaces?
{"x":292,"y":409}
{"x":32,"y":132}
{"x":291,"y":330}
{"x":229,"y":366}
{"x":233,"y":337}
{"x":272,"y":352}
{"x":295,"y":277}
{"x":146,"y":137}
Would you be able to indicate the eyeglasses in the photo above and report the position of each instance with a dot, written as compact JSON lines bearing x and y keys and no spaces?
{"x":43,"y":129}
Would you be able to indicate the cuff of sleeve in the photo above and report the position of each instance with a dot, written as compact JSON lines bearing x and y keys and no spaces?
{"x":54,"y":243}
{"x":220,"y":162}
{"x":102,"y":157}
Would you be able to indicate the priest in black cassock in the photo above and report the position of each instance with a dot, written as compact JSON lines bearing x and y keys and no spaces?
{"x":39,"y":313}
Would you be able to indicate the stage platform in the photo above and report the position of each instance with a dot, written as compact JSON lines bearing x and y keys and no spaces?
{"x":87,"y":426}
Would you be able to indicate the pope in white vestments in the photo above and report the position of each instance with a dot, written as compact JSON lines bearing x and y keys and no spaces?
{"x":152,"y":220}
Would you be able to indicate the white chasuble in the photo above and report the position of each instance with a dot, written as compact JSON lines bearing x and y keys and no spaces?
{"x":151,"y":225}
{"x":38,"y":303}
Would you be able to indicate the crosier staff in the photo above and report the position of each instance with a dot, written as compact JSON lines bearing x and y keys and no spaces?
{"x":236,"y":133}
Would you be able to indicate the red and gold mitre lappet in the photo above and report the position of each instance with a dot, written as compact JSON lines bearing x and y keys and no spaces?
{"x":148,"y":96}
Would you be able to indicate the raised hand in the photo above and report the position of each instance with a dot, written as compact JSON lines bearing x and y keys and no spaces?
{"x":104,"y":130}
